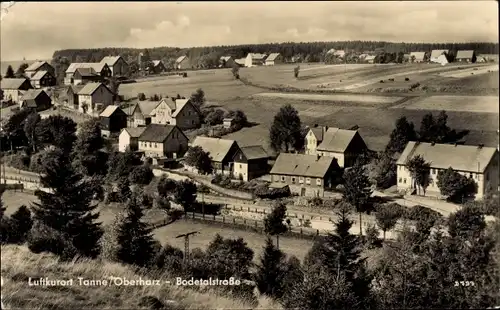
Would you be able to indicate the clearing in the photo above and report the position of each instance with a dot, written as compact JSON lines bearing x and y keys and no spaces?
{"x":347,"y":98}
{"x":477,"y":104}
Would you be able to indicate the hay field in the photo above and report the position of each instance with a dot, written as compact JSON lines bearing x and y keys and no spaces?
{"x":344,"y":98}
{"x":477,"y":104}
{"x":470,"y":71}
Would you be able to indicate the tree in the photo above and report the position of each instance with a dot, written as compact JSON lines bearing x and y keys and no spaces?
{"x":400,"y":136}
{"x":185,"y":194}
{"x":427,"y":131}
{"x":357,"y":190}
{"x":443,"y":133}
{"x":141,"y":175}
{"x":296,"y":72}
{"x":198,"y":97}
{"x":215,"y":117}
{"x":135,"y":240}
{"x":239,"y":119}
{"x":9,"y":74}
{"x":14,"y":128}
{"x":57,"y":130}
{"x":114,"y":87}
{"x":274,"y":223}
{"x":20,"y":225}
{"x":120,"y":165}
{"x":21,"y":70}
{"x":198,"y":158}
{"x":235,"y":70}
{"x":229,"y":258}
{"x":87,"y":157}
{"x":383,"y":171}
{"x":386,"y":217}
{"x":286,"y":130}
{"x":124,"y":191}
{"x":466,"y":223}
{"x":166,"y":186}
{"x":270,"y":274}
{"x":67,"y":207}
{"x":420,"y":172}
{"x":455,"y":185}
{"x":30,"y":124}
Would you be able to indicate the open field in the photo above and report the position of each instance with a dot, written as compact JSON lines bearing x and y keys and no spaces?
{"x":346,"y":98}
{"x":471,"y":71}
{"x":479,"y":104}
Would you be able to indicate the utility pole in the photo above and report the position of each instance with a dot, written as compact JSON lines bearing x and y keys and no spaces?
{"x":186,"y":243}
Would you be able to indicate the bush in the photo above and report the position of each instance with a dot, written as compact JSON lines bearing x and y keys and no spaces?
{"x":407,"y":79}
{"x":413,"y":86}
{"x":392,"y":80}
{"x":184,"y":75}
{"x":207,"y":208}
{"x":109,"y":242}
{"x":141,"y":175}
{"x":18,"y":161}
{"x":381,"y":81}
{"x":141,"y":96}
{"x":371,"y":237}
{"x":418,"y":212}
{"x":45,"y":239}
{"x":214,"y":117}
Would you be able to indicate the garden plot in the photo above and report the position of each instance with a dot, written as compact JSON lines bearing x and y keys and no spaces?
{"x":477,"y":104}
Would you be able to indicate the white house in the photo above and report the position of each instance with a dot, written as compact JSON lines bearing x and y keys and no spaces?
{"x":129,"y":138}
{"x":274,"y":59}
{"x":417,"y":56}
{"x":435,"y":55}
{"x":255,"y":59}
{"x":13,"y":89}
{"x":476,"y":162}
{"x":94,"y":97}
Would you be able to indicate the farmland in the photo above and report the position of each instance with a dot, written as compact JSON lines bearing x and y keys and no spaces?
{"x":478,"y":104}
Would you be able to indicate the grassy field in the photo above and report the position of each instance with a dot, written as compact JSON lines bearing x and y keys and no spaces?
{"x":344,"y":98}
{"x":18,"y":264}
{"x":478,"y":104}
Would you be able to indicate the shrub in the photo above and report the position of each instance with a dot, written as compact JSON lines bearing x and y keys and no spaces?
{"x":45,"y":239}
{"x":392,"y":80}
{"x":109,"y":242}
{"x":381,"y":81}
{"x":184,"y":75}
{"x":407,"y":79}
{"x":141,"y":96}
{"x":371,"y":237}
{"x":141,"y":175}
{"x":18,"y":160}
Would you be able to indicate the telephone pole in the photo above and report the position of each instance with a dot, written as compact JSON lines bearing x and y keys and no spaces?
{"x":186,"y":243}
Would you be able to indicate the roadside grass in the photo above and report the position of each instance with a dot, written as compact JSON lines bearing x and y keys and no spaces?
{"x":18,"y":264}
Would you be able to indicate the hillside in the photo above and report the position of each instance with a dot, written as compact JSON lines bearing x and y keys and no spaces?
{"x":18,"y":264}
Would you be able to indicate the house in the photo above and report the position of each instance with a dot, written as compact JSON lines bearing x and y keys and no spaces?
{"x":274,"y":59}
{"x":490,"y":57}
{"x":466,"y":56}
{"x":255,"y":59}
{"x":102,"y":69}
{"x":481,"y":59}
{"x":118,"y":65}
{"x":72,"y":96}
{"x":476,"y":162}
{"x":436,"y":53}
{"x":228,"y":122}
{"x":345,"y":145}
{"x":36,"y":99}
{"x":112,"y":120}
{"x":32,"y":69}
{"x":305,"y":175}
{"x":14,"y":88}
{"x":221,"y":151}
{"x":163,"y":141}
{"x":250,"y":162}
{"x":129,"y":138}
{"x":93,"y":97}
{"x":86,"y":75}
{"x":157,"y":67}
{"x":417,"y":56}
{"x":43,"y":79}
{"x":442,"y":59}
{"x":226,"y":62}
{"x":181,"y":112}
{"x":140,"y":113}
{"x":182,"y":63}
{"x":240,"y":61}
{"x":369,"y":59}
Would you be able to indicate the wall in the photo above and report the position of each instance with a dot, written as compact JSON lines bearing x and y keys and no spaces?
{"x":339,"y":156}
{"x":297,"y":183}
{"x":102,"y":95}
{"x":311,"y":143}
{"x":241,"y":169}
{"x":162,"y":114}
{"x":12,"y":93}
{"x":188,"y":118}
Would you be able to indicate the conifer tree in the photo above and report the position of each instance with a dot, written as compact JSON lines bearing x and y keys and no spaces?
{"x":20,"y":225}
{"x":270,"y":272}
{"x":273,"y":223}
{"x":67,"y":207}
{"x":135,"y":240}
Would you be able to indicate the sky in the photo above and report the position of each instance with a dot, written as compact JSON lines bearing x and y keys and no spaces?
{"x":34,"y":30}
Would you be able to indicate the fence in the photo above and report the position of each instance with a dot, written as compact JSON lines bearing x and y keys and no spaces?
{"x":20,"y":179}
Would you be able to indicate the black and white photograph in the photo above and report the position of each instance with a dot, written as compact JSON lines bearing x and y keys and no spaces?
{"x":312,"y":155}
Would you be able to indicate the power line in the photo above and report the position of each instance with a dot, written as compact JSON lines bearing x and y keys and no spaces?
{"x":186,"y":243}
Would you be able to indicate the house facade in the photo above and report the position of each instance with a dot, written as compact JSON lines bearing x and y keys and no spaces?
{"x":117,"y":65}
{"x":255,"y":59}
{"x":14,"y":88}
{"x":129,"y":139}
{"x":305,"y":175}
{"x":417,"y":56}
{"x":182,"y":63}
{"x":101,"y":69}
{"x":43,"y":79}
{"x":158,"y":67}
{"x":344,"y":145}
{"x":32,"y":69}
{"x":93,"y":97}
{"x":86,"y":75}
{"x":36,"y":99}
{"x":274,"y":59}
{"x":226,"y":62}
{"x":72,"y":96}
{"x":180,"y":112}
{"x":435,"y":55}
{"x":221,"y":152}
{"x":475,"y":162}
{"x":112,"y":120}
{"x":139,"y":114}
{"x":466,"y":56}
{"x":250,"y":162}
{"x":163,"y":141}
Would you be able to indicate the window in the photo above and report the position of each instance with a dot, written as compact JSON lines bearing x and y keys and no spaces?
{"x":156,"y":145}
{"x":293,"y":180}
{"x":240,"y":166}
{"x":318,"y":181}
{"x":433,"y":171}
{"x":308,"y":181}
{"x":400,"y":180}
{"x":404,"y":180}
{"x":282,"y":178}
{"x":471,"y":175}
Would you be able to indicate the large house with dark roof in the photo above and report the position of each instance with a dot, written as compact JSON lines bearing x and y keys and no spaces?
{"x":113,"y":120}
{"x":274,"y":59}
{"x":345,"y":145}
{"x":36,"y":99}
{"x":255,"y":59}
{"x":181,"y":112}
{"x":139,"y":114}
{"x":14,"y":88}
{"x":250,"y":162}
{"x":101,"y":69}
{"x":93,"y":97}
{"x":129,"y":138}
{"x":37,"y":66}
{"x":43,"y":79}
{"x":466,"y":56}
{"x":86,"y":75}
{"x":305,"y":175}
{"x":476,"y":162}
{"x":163,"y":141}
{"x":118,"y":65}
{"x":221,"y":152}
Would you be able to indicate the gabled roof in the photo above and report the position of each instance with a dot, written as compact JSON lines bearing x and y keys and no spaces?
{"x":254,"y":152}
{"x":36,"y":65}
{"x":94,"y":65}
{"x":225,"y":58}
{"x":442,"y":156}
{"x":156,"y":62}
{"x":180,"y":104}
{"x":257,"y":56}
{"x":216,"y":147}
{"x":418,"y":55}
{"x":84,"y":72}
{"x":156,"y":133}
{"x":180,"y":59}
{"x":110,"y":109}
{"x":146,"y":107}
{"x":272,"y":56}
{"x":75,"y":88}
{"x":90,"y":88}
{"x":134,"y":132}
{"x":7,"y":83}
{"x":318,"y":133}
{"x":336,"y":140}
{"x":39,"y":75}
{"x":240,"y":61}
{"x":32,"y":94}
{"x":437,"y":53}
{"x":110,"y":60}
{"x":302,"y":165}
{"x":464,"y":54}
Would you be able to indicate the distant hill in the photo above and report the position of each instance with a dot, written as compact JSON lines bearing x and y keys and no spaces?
{"x":15,"y":64}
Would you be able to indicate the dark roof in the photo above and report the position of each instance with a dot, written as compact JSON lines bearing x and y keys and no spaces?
{"x":156,"y":133}
{"x":75,"y":88}
{"x":86,"y":72}
{"x":254,"y":152}
{"x":12,"y":83}
{"x":90,"y":88}
{"x":32,"y":94}
{"x":336,"y":139}
{"x":36,"y":65}
{"x":30,"y":103}
{"x":302,"y":165}
{"x":135,"y":132}
{"x":216,"y":147}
